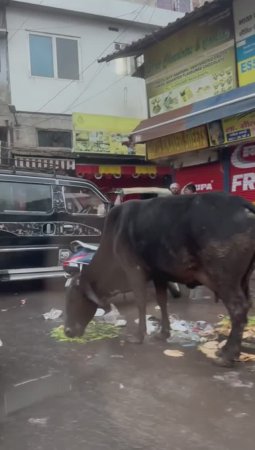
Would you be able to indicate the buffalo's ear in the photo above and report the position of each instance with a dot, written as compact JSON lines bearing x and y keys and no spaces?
{"x":90,"y":293}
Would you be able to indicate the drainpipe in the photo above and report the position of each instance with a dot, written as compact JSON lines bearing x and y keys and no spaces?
{"x":225,"y":158}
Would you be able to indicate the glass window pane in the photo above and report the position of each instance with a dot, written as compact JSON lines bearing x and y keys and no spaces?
{"x":48,"y":138}
{"x":67,"y":58}
{"x":41,"y":55}
{"x":23,"y":197}
{"x":83,"y":201}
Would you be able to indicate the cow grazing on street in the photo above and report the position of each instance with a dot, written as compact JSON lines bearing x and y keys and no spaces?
{"x":206,"y":239}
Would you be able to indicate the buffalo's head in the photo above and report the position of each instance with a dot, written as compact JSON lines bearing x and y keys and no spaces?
{"x":81,"y":306}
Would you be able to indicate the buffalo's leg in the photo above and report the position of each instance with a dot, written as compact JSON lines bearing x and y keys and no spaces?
{"x":238,"y":306}
{"x":161,"y":294}
{"x":139,"y":287}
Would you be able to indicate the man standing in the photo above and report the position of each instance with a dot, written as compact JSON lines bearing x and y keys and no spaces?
{"x":175,"y":189}
{"x":189,"y":189}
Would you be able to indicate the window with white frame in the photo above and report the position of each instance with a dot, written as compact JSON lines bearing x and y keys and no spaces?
{"x":54,"y":56}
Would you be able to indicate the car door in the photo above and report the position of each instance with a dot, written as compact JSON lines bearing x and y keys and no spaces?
{"x":85,"y":212}
{"x":26,"y":215}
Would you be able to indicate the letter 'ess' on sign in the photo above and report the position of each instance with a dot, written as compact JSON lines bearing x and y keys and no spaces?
{"x":244,"y":18}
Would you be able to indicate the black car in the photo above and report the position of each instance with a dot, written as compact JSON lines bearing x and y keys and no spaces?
{"x":40,"y":215}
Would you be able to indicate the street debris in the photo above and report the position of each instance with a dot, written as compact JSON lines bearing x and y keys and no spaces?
{"x":99,"y":312}
{"x":241,"y":415}
{"x":173,"y":353}
{"x":1,"y":343}
{"x":152,"y":324}
{"x":121,"y":386}
{"x":113,"y":317}
{"x":39,"y":421}
{"x":23,"y":301}
{"x":187,"y":333}
{"x":53,"y":314}
{"x":117,"y":356}
{"x":233,"y":379}
{"x":95,"y":331}
{"x":210,"y":349}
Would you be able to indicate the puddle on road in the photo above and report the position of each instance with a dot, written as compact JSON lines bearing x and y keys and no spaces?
{"x":29,"y":392}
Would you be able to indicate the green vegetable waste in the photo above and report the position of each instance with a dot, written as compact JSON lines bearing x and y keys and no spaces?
{"x":94,"y":332}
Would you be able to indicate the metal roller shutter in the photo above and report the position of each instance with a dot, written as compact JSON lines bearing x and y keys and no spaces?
{"x":206,"y":177}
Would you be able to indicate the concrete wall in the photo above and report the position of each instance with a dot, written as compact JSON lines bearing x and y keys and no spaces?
{"x":123,"y":10}
{"x":100,"y":89}
{"x":122,"y":96}
{"x":25,"y":134}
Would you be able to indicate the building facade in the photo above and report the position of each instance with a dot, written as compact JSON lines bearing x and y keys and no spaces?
{"x":200,"y":83}
{"x":49,"y":68}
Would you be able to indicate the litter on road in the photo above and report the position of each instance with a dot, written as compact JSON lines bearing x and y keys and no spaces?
{"x":152,"y":324}
{"x":94,"y":332}
{"x":113,"y":317}
{"x":173,"y":353}
{"x":39,"y":421}
{"x":233,"y":379}
{"x":53,"y":314}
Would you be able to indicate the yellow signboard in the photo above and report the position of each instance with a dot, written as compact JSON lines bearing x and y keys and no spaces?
{"x":239,"y":127}
{"x":105,"y":135}
{"x":244,"y":17}
{"x":193,"y":64}
{"x":175,"y":144}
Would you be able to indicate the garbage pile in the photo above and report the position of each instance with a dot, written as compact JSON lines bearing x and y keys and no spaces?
{"x":189,"y":333}
{"x":208,"y":338}
{"x":104,"y":326}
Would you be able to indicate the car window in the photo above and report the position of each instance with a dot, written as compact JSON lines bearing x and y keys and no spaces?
{"x":80,"y":200}
{"x":25,"y":197}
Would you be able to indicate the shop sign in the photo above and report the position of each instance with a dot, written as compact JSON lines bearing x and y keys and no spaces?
{"x":175,"y":144}
{"x":244,"y":17}
{"x":242,"y":171}
{"x":109,"y":170}
{"x":105,"y":135}
{"x":195,"y":63}
{"x":239,"y":127}
{"x":44,"y":163}
{"x":207,"y":177}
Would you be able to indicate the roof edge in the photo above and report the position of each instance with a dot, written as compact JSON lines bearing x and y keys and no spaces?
{"x":137,"y":47}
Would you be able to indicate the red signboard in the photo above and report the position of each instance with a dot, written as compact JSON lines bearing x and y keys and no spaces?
{"x":242,"y":171}
{"x":206,"y":177}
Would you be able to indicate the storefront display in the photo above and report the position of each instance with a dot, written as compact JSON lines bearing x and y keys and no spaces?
{"x":206,"y":177}
{"x":242,"y":171}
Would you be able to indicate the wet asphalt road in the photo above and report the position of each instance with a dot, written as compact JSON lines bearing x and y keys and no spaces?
{"x":105,"y":395}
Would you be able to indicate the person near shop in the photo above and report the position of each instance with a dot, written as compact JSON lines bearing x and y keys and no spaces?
{"x":189,"y":189}
{"x":175,"y":189}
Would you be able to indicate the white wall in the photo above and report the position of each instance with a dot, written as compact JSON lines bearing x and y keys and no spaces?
{"x":124,"y":9}
{"x":100,"y":90}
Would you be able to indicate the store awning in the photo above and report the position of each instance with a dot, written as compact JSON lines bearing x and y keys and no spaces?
{"x":117,"y":171}
{"x":235,"y":102}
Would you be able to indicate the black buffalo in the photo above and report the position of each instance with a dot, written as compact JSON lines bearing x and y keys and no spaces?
{"x":206,"y":239}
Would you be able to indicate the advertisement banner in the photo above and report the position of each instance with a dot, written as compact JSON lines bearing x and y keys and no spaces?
{"x":194,"y":64}
{"x":238,"y":128}
{"x":244,"y":17}
{"x":175,"y":144}
{"x":207,"y":177}
{"x":242,"y":171}
{"x":104,"y":135}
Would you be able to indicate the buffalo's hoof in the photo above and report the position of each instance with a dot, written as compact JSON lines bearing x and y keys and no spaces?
{"x":161,"y":336}
{"x":224,"y":354}
{"x":223,"y":362}
{"x":135,"y":339}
